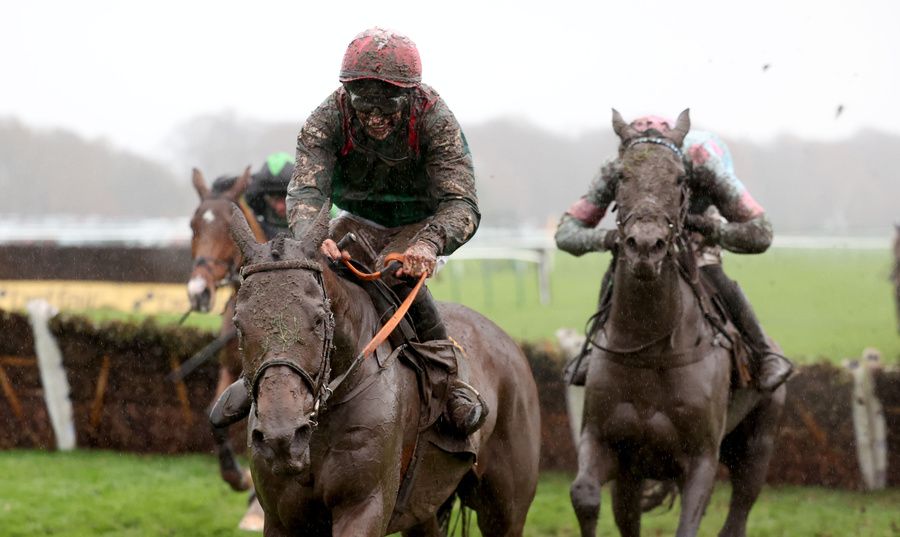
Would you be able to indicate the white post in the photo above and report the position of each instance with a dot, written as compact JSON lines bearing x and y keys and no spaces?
{"x":868,"y":421}
{"x":53,"y":374}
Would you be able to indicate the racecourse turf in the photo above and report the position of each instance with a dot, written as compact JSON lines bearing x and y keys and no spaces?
{"x":97,"y":493}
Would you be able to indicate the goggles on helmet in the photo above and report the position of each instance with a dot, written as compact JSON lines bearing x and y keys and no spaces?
{"x":368,"y":104}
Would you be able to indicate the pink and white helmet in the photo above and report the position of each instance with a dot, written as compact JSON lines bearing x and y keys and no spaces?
{"x":658,"y":123}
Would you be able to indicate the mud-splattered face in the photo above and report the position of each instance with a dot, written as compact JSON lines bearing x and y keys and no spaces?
{"x":284,"y":324}
{"x":378,"y":105}
{"x":649,"y":199}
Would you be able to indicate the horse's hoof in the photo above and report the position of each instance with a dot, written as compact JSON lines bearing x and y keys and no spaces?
{"x":254,"y":518}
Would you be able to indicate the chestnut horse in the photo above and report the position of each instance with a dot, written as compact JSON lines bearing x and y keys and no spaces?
{"x":658,"y":404}
{"x":337,"y":450}
{"x":216,"y":261}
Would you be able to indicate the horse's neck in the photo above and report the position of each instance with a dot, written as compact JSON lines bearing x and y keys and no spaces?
{"x":644,"y":309}
{"x":354,"y":317}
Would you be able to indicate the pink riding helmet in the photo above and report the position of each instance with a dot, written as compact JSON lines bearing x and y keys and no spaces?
{"x":658,"y":123}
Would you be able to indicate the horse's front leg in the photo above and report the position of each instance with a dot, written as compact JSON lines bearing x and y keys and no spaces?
{"x":364,"y":518}
{"x":595,"y":466}
{"x":696,"y":491}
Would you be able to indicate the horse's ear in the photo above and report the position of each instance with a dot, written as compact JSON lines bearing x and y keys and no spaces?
{"x":318,"y":230}
{"x":618,"y":124}
{"x":682,"y":126}
{"x":240,"y":185}
{"x":242,"y":234}
{"x":199,"y":183}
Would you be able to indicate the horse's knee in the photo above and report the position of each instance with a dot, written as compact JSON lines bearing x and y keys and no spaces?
{"x":585,"y":496}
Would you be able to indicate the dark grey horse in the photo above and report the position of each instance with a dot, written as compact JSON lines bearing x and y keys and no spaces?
{"x":331,"y":444}
{"x":658,"y":388}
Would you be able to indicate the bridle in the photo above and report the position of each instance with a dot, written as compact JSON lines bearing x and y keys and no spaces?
{"x":323,"y":386}
{"x":319,"y":385}
{"x":232,"y":275}
{"x":674,"y":241}
{"x":675,"y":235}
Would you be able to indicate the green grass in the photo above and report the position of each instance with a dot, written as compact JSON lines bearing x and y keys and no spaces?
{"x":818,"y":304}
{"x":96,"y":493}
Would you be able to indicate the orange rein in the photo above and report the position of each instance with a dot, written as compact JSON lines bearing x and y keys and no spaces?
{"x":392,"y":323}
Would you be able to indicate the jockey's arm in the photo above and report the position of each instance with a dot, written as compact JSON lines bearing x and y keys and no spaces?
{"x":577,"y":232}
{"x":751,"y":237}
{"x":448,"y":163}
{"x":748,"y":229}
{"x":310,"y":184}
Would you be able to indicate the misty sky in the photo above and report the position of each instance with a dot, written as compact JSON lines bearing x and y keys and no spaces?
{"x":131,"y":71}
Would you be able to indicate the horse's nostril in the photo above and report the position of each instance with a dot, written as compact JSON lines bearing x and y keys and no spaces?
{"x":257,"y":437}
{"x":660,"y":244}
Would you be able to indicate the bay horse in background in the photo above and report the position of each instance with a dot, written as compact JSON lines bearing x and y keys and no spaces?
{"x":895,"y":273}
{"x":334,"y":441}
{"x":658,"y":399}
{"x":216,"y":264}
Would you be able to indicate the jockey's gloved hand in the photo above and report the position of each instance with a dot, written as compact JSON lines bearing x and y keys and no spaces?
{"x":704,"y":225}
{"x":610,"y":239}
{"x":420,"y":257}
{"x":330,"y":249}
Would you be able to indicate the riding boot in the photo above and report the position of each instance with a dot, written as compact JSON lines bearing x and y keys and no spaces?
{"x":769,"y":369}
{"x":465,"y":409}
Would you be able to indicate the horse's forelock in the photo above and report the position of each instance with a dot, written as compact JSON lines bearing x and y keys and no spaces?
{"x":650,"y":173}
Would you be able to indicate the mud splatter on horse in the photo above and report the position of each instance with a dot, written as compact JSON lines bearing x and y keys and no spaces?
{"x":342,"y":454}
{"x":658,"y":404}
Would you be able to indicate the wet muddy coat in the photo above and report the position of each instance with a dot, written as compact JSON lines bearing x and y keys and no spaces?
{"x":421,"y":174}
{"x":713,"y":186}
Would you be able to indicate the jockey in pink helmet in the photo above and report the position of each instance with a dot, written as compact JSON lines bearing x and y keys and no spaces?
{"x":721,"y":214}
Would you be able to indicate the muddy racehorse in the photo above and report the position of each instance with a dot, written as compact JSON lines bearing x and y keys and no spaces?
{"x":335,"y":449}
{"x":216,"y":262}
{"x":658,"y":403}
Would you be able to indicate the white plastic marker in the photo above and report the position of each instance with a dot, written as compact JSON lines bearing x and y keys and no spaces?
{"x":53,"y":374}
{"x":868,"y":421}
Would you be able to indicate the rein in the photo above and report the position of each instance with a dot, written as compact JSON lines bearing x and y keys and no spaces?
{"x":323,"y":385}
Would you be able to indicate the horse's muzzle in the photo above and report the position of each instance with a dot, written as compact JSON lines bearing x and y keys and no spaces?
{"x":199,"y":295}
{"x":284,"y":452}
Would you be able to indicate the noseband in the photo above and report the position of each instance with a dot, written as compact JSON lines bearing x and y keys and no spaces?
{"x":320,"y":385}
